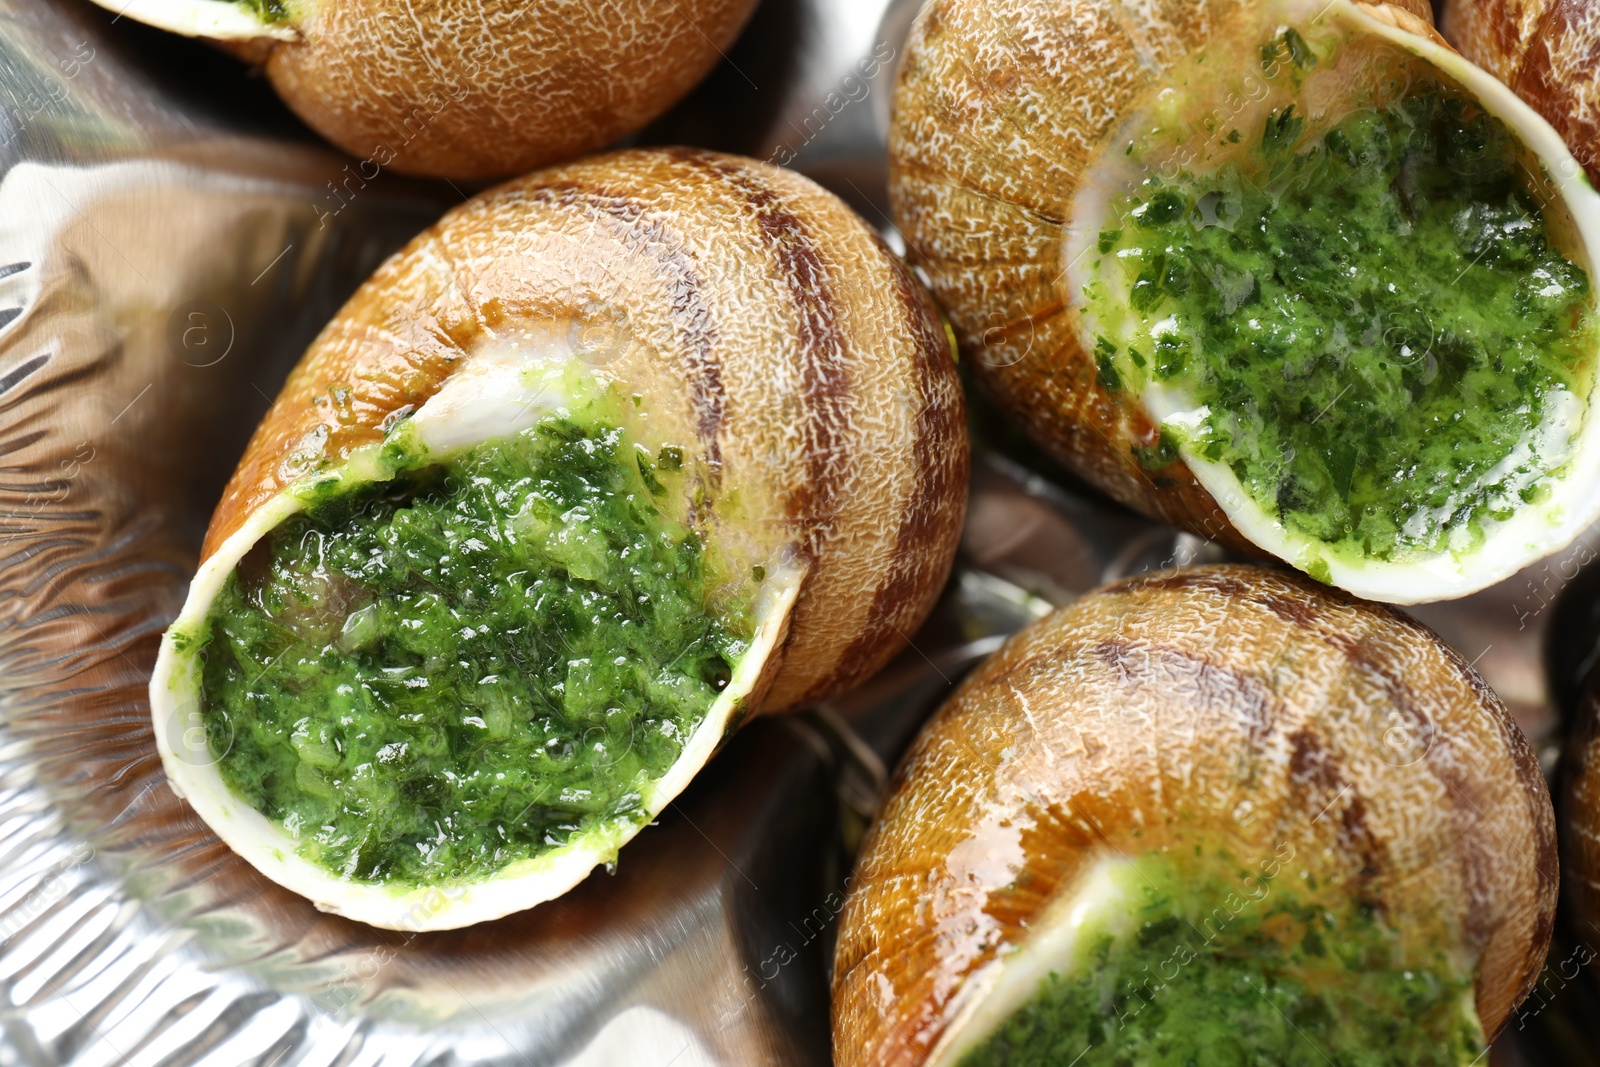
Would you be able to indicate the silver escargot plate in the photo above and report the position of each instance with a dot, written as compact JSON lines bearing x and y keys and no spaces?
{"x":168,"y":245}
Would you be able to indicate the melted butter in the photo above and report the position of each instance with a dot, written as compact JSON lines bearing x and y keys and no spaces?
{"x":1367,"y":325}
{"x":429,"y":678}
{"x":1166,"y":962}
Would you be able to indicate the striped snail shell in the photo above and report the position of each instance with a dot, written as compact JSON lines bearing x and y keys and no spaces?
{"x":1217,"y":815}
{"x":1154,"y":227}
{"x":1548,"y":51}
{"x":776,"y":376}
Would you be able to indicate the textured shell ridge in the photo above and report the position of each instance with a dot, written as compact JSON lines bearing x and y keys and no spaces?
{"x":1224,"y":701}
{"x":1004,"y":157}
{"x":758,"y":326}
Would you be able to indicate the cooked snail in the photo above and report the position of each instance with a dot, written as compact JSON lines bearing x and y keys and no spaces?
{"x":465,"y":88}
{"x":1215,"y":816}
{"x":1546,"y":50}
{"x":611,"y":457}
{"x":1286,"y":273}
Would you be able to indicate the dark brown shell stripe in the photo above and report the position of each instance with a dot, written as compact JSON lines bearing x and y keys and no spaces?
{"x":1372,"y":661}
{"x":825,"y":383}
{"x":1001,"y":106}
{"x":1548,"y":51}
{"x":1092,"y":732}
{"x":939,"y":464}
{"x":645,"y":232}
{"x":732,"y":275}
{"x":912,"y":588}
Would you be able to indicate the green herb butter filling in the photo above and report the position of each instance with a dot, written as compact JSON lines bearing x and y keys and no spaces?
{"x":269,"y":12}
{"x":428,"y":679}
{"x":1172,"y":971}
{"x":1376,"y":335}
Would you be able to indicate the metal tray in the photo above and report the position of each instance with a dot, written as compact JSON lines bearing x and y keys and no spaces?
{"x":170,"y":240}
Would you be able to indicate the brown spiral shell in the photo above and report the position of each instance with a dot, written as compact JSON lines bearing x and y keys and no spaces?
{"x":1163,"y":707}
{"x":1548,"y":51}
{"x":1580,"y":812}
{"x":1000,"y":109}
{"x":487,"y":88}
{"x":751,"y":314}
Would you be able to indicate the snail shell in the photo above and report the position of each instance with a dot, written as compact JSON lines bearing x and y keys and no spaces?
{"x":1580,"y":812}
{"x":1548,"y":51}
{"x":468,"y":88}
{"x":754,"y":321}
{"x":1011,"y":118}
{"x":1340,"y":742}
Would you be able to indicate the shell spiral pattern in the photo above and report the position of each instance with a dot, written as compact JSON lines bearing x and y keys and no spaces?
{"x":1071,"y":178}
{"x":728,"y":313}
{"x":749,"y":306}
{"x":1002,"y":107}
{"x":1340,"y":743}
{"x":467,"y":89}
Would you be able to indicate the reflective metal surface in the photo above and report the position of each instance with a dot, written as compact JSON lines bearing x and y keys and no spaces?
{"x":807,"y":86}
{"x":162,"y":263}
{"x":168,"y":245}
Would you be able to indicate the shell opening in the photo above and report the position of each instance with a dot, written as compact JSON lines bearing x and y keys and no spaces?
{"x":444,"y":682}
{"x":1349,"y":280}
{"x":216,"y":20}
{"x":1209,"y":959}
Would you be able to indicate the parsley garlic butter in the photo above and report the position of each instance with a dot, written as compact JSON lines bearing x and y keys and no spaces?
{"x":610,"y":458}
{"x":1291,"y":274}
